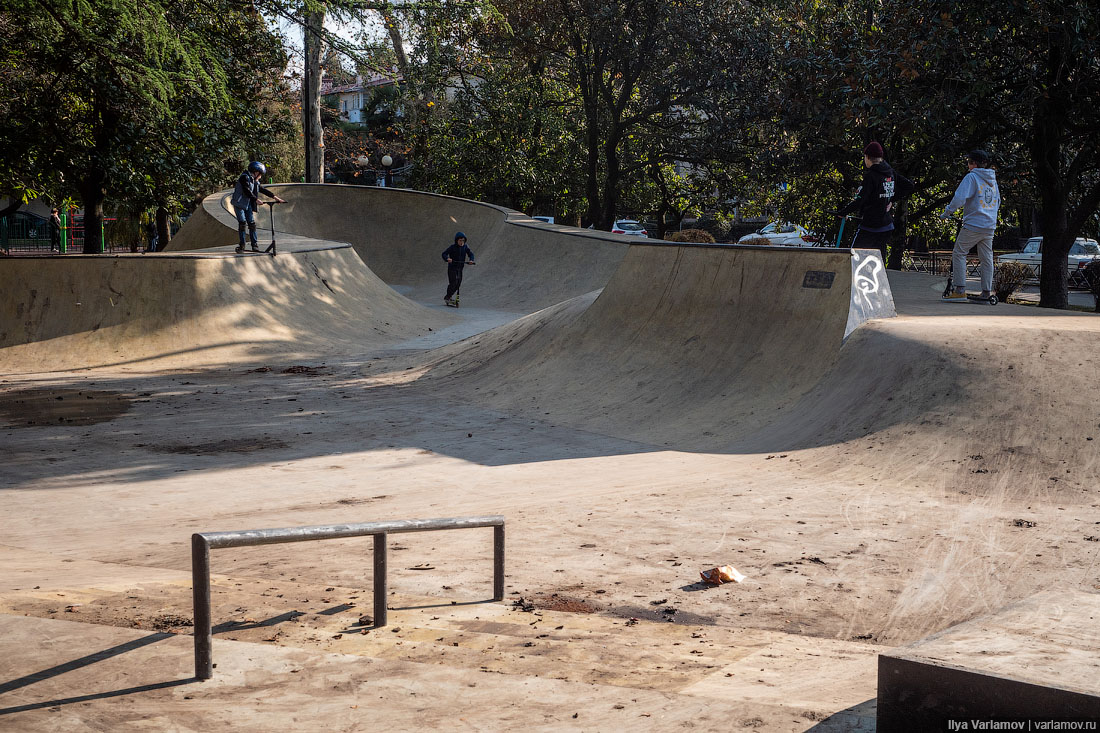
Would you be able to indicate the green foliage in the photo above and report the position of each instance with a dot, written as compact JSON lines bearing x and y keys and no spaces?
{"x":571,"y":105}
{"x":140,"y":100}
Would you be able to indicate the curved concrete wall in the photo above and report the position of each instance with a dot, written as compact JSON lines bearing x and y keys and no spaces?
{"x":683,"y":339}
{"x":81,"y":311}
{"x":523,"y":264}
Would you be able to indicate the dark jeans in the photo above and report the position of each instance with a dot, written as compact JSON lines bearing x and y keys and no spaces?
{"x":454,"y":280}
{"x":246,"y":217}
{"x":873,"y":240}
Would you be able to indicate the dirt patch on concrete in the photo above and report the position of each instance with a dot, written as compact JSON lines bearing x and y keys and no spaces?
{"x":666,"y":612}
{"x":554,"y":602}
{"x":41,"y":407}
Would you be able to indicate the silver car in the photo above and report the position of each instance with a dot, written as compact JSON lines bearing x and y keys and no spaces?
{"x":784,"y":234}
{"x":1081,"y":253}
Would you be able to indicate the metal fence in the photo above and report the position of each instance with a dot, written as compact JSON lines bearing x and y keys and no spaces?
{"x":28,"y":234}
{"x":939,"y":263}
{"x":203,"y":542}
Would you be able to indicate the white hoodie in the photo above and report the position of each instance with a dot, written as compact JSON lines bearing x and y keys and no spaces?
{"x":979,"y":198}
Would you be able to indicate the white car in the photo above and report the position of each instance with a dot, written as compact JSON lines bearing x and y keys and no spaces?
{"x":630,"y":228}
{"x":1081,"y":253}
{"x":783,"y":234}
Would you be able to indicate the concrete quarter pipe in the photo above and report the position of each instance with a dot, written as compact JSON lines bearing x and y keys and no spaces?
{"x":73,"y":312}
{"x":706,"y":341}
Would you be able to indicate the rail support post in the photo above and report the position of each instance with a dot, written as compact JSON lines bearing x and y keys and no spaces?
{"x":380,"y":590}
{"x":200,"y":585}
{"x":498,"y":562}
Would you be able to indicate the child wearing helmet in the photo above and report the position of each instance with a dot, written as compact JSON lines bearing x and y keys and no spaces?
{"x":246,"y":201}
{"x":456,"y":256}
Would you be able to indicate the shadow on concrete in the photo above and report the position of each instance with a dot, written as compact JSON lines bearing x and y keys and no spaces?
{"x":227,"y":626}
{"x":96,"y":696}
{"x":216,"y":420}
{"x":856,"y":719}
{"x":449,"y":604}
{"x":85,"y":661}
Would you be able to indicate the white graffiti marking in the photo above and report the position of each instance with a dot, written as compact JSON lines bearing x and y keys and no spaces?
{"x":867,"y":277}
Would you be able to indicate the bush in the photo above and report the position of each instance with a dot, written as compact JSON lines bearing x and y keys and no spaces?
{"x":696,"y":236}
{"x":1008,"y":277}
{"x":761,"y":241}
{"x":718,"y":228}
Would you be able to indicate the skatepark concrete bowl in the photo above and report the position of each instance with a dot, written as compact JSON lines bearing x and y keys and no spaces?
{"x":639,"y":411}
{"x":523,"y":264}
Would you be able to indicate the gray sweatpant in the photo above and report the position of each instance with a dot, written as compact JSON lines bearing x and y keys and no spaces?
{"x":967,"y":238}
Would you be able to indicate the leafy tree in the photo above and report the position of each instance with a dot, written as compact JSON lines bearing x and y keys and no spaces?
{"x":575,"y":102}
{"x":133,"y":90}
{"x":862,"y":71}
{"x":933,"y":80}
{"x":505,"y":137}
{"x":648,"y":77}
{"x":1024,"y":76}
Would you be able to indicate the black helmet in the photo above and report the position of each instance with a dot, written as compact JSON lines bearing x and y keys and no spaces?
{"x":980,"y":158}
{"x":257,"y":167}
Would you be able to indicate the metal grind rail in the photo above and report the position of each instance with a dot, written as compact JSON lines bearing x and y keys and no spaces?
{"x":203,"y":542}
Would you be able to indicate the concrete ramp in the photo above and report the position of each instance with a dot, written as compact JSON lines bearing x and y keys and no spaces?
{"x":871,"y":296}
{"x":523,"y":264}
{"x":677,"y":326}
{"x":1035,"y":661}
{"x":685,"y":340}
{"x":313,"y":299}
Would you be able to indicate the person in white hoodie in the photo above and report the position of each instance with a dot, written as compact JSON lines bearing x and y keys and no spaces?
{"x":979,"y":198}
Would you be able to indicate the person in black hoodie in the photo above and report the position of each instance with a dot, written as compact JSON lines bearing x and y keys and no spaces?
{"x":882,"y":186}
{"x":455,"y":257}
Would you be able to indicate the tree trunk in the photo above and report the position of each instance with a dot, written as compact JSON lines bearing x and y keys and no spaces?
{"x":611,"y":182}
{"x":311,"y":98}
{"x":93,"y":192}
{"x":592,"y":165}
{"x":1054,"y":274}
{"x":1048,"y":125}
{"x":413,"y":111}
{"x":164,"y":231}
{"x":395,"y":40}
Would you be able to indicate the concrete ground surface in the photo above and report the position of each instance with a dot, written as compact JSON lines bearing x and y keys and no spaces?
{"x":934,"y":469}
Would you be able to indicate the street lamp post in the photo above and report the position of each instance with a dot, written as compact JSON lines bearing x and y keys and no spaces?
{"x":387,"y":163}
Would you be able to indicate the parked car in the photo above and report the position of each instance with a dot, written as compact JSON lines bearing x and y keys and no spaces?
{"x":1081,"y":253}
{"x":629,"y":227}
{"x":784,"y":234}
